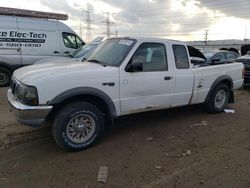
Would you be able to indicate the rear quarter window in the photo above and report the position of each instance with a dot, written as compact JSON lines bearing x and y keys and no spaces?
{"x":181,"y":56}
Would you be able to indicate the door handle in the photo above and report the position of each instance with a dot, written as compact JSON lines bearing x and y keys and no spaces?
{"x":67,"y":52}
{"x":56,"y":52}
{"x":168,"y":77}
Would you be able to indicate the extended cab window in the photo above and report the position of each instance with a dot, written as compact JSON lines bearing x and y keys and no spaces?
{"x":152,"y":56}
{"x":181,"y":57}
{"x":71,"y":40}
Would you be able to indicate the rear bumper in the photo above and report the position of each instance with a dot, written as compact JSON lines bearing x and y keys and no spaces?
{"x":29,"y":115}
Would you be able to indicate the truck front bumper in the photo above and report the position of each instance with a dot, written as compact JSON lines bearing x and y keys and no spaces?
{"x":29,"y":115}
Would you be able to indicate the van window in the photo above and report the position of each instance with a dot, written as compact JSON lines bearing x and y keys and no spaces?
{"x":71,"y":40}
{"x":181,"y":57}
{"x":79,"y":42}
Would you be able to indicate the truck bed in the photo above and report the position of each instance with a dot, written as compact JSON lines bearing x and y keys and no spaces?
{"x":206,"y":75}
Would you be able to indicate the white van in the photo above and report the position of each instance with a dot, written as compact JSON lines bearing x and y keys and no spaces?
{"x":27,"y":39}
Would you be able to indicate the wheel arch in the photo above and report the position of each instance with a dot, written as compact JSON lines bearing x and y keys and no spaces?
{"x":5,"y":65}
{"x":88,"y":94}
{"x":226,"y":80}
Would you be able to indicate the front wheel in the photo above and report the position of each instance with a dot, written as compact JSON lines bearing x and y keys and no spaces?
{"x":77,"y":126}
{"x":218,"y":99}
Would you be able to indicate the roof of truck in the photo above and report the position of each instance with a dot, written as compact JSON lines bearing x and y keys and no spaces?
{"x":154,"y":39}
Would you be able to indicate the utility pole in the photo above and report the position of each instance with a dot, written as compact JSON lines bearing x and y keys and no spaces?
{"x":88,"y":23}
{"x":81,"y":28}
{"x":108,"y":24}
{"x":206,"y":36}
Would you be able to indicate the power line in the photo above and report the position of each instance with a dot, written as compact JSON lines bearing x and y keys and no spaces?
{"x":212,"y":2}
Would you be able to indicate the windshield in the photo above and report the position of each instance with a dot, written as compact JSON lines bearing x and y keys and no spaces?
{"x":112,"y":51}
{"x":208,"y":55}
{"x":81,"y":52}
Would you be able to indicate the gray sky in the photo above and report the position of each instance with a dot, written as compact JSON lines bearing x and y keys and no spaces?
{"x":175,"y":19}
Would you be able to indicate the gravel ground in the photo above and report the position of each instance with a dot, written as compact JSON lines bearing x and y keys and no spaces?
{"x":177,"y":148}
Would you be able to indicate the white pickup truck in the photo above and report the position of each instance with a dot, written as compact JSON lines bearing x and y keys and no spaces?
{"x":123,"y":76}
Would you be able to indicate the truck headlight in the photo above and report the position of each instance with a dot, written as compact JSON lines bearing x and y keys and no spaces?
{"x":27,"y":94}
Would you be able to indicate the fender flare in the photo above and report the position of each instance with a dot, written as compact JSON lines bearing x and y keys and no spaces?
{"x":216,"y":82}
{"x":5,"y":65}
{"x":85,"y":91}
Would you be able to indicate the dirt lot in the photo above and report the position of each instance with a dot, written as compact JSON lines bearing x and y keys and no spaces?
{"x":157,"y":149}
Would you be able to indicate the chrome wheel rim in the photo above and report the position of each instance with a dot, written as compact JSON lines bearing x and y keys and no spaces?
{"x":80,"y":128}
{"x":220,"y":98}
{"x":3,"y":77}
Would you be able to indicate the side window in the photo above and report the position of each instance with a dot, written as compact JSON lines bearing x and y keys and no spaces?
{"x":220,"y":56}
{"x":70,"y":40}
{"x":181,"y":57}
{"x":152,"y":56}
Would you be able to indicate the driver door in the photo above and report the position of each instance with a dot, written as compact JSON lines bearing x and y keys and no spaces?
{"x":149,"y":89}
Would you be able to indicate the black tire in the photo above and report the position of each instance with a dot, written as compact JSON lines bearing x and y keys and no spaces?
{"x":5,"y":77}
{"x":211,"y":106}
{"x":66,"y":115}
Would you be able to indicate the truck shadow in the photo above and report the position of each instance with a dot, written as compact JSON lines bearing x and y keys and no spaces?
{"x":160,"y":118}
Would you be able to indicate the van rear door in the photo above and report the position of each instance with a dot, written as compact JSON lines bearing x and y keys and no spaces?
{"x":39,"y":39}
{"x":10,"y":53}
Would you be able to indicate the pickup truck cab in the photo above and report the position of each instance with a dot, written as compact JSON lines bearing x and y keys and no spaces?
{"x":122,"y":76}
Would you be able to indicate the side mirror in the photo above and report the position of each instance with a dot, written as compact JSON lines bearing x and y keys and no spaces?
{"x":134,"y":67}
{"x":215,"y":60}
{"x":84,"y":59}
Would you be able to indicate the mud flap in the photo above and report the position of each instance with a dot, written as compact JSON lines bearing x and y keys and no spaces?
{"x":231,"y":97}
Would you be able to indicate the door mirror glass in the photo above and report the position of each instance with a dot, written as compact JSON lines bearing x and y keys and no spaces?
{"x":134,"y":67}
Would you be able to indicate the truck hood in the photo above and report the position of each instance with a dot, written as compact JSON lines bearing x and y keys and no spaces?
{"x":52,"y":60}
{"x":66,"y":69}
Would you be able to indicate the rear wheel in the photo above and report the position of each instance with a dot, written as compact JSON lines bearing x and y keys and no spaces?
{"x":77,"y":126}
{"x":218,"y":99}
{"x":5,"y":76}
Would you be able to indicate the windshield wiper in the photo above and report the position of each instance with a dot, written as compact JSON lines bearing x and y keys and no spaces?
{"x":96,"y":61}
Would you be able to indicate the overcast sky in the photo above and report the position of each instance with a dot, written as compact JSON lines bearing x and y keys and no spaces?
{"x":175,"y":19}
